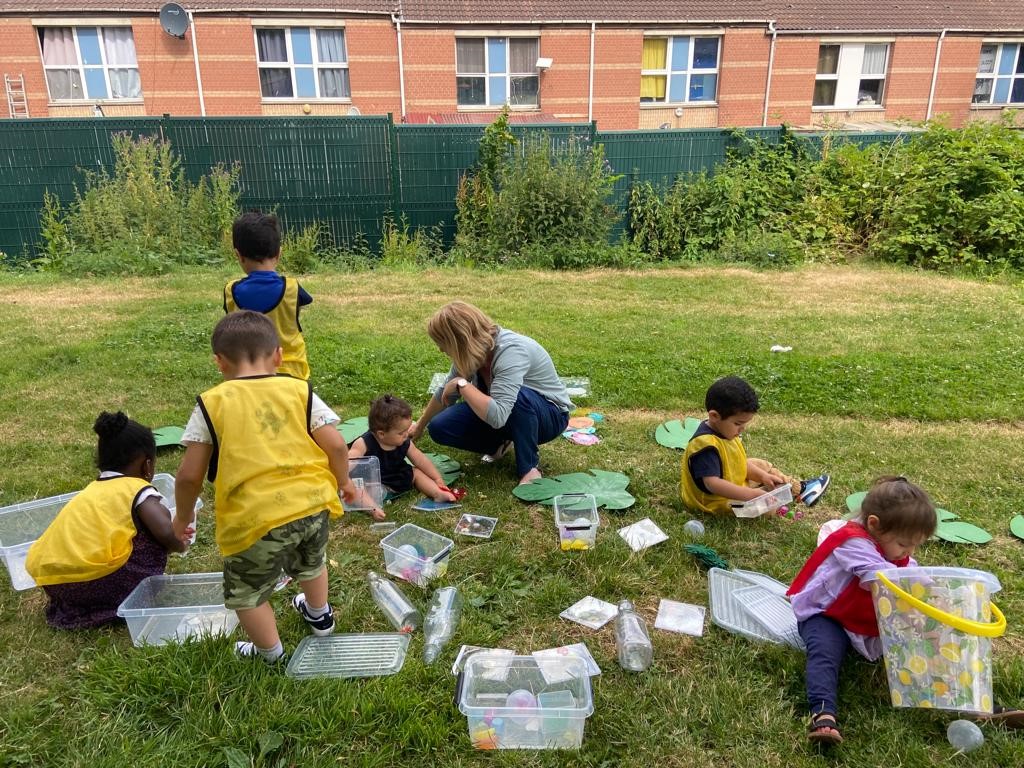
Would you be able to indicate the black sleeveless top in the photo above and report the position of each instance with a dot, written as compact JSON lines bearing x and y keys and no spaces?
{"x":395,"y":472}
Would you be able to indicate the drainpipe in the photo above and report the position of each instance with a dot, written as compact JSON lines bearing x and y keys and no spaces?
{"x":768,"y":82}
{"x":935,"y":75}
{"x":195,"y":60}
{"x":401,"y":65}
{"x":590,"y":87}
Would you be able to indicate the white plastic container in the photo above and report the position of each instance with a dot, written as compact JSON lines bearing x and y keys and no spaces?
{"x":170,"y":609}
{"x":521,"y":710}
{"x":577,"y":520}
{"x":365,"y":474}
{"x":415,"y":554}
{"x":765,"y":503}
{"x":22,"y":524}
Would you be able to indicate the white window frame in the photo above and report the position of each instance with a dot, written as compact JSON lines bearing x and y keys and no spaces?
{"x":85,"y":99}
{"x":849,"y":73}
{"x":290,"y":64}
{"x":486,"y":74}
{"x":667,"y":73}
{"x":994,"y":75}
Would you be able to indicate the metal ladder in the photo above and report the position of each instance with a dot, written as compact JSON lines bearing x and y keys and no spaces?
{"x":17,"y":101}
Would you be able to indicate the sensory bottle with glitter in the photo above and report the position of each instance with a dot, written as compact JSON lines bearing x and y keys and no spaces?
{"x":635,"y":650}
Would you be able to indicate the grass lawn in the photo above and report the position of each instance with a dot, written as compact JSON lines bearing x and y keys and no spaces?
{"x":891,"y":371}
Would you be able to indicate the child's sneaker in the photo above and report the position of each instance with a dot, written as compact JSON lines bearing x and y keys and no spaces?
{"x":321,"y":626}
{"x":491,"y":458}
{"x":246,"y":649}
{"x":812,"y":490}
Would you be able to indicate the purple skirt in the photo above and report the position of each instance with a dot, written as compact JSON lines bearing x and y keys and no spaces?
{"x":94,"y":603}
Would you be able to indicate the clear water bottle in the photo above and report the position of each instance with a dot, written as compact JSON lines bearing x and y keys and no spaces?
{"x":635,"y":650}
{"x":403,"y":615}
{"x":442,"y":619}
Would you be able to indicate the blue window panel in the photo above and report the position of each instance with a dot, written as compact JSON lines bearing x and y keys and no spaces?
{"x":705,"y":52}
{"x":302,"y":47}
{"x":1007,"y":59}
{"x":1002,"y":90}
{"x":677,"y":88}
{"x":95,"y":83}
{"x":496,"y":55}
{"x":305,"y":82}
{"x":680,"y":54}
{"x":498,"y":91}
{"x":702,"y":87}
{"x":1017,"y":95}
{"x":1020,"y":63}
{"x":89,"y":45}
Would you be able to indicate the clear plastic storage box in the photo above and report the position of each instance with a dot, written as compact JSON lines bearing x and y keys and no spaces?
{"x":519,"y":709}
{"x":171,"y":609}
{"x":21,"y":524}
{"x":415,"y":554}
{"x":577,"y":520}
{"x":365,"y":474}
{"x":765,"y":503}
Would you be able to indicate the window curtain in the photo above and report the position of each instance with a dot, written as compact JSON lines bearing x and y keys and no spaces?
{"x":330,"y":44}
{"x":874,"y":60}
{"x":828,"y":59}
{"x":655,"y":55}
{"x":271,"y":45}
{"x":334,"y":84}
{"x":59,"y":46}
{"x":119,"y":46}
{"x":652,"y":87}
{"x":469,"y":56}
{"x":523,"y":55}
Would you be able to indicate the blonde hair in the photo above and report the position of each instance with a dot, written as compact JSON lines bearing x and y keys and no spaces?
{"x":463,"y":333}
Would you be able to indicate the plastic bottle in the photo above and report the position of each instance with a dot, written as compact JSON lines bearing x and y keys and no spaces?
{"x":635,"y":650}
{"x":403,"y":615}
{"x":442,"y":620}
{"x":964,"y":736}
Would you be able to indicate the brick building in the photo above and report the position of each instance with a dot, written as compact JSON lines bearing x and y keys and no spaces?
{"x":627,"y":65}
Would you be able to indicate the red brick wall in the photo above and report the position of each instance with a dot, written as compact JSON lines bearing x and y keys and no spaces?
{"x":617,"y":57}
{"x":429,"y":59}
{"x":796,"y":61}
{"x":564,"y":87}
{"x":166,"y":68}
{"x":958,"y":69}
{"x":19,"y":54}
{"x":742,"y":76}
{"x":373,"y":66}
{"x":227,"y":61}
{"x":909,"y":79}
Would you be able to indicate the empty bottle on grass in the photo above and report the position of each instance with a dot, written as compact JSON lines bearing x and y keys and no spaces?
{"x":442,"y":620}
{"x":635,"y":650}
{"x":403,"y":615}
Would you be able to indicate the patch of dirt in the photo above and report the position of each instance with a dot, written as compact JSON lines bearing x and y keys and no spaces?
{"x":78,"y":295}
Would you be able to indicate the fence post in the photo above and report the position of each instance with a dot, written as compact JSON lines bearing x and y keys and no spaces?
{"x":396,"y":175}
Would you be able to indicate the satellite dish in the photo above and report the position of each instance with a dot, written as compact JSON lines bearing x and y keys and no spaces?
{"x":174,"y":20}
{"x":354,"y":111}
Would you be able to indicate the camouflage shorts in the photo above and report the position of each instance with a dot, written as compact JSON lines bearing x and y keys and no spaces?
{"x":298,"y":548}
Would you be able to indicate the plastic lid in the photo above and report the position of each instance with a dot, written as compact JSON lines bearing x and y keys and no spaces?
{"x":933,"y":573}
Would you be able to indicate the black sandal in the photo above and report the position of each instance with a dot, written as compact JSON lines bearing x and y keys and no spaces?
{"x":824,"y":730}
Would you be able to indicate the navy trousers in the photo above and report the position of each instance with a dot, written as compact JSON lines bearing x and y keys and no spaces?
{"x":532,"y":422}
{"x":827,"y":646}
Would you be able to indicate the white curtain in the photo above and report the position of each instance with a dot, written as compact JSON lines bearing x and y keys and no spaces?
{"x":330,"y":45}
{"x":469,"y":56}
{"x":334,"y":84}
{"x":125,"y":84}
{"x":271,"y":45}
{"x":874,"y":60}
{"x":523,"y":55}
{"x":119,"y":46}
{"x":59,"y":46}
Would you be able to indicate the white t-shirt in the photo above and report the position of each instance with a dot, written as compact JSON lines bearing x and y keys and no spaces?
{"x":145,"y":493}
{"x":196,"y":431}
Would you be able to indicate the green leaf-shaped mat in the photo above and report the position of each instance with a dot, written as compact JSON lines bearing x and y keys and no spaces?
{"x":853,"y":502}
{"x":959,"y":532}
{"x":676,"y":433}
{"x":449,"y":468}
{"x":1017,"y":526}
{"x":608,"y":488}
{"x":166,"y":436}
{"x":353,"y":428}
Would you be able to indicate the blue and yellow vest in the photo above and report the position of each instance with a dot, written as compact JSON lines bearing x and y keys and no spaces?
{"x":285,"y":317}
{"x":734,"y":469}
{"x":266,"y":469}
{"x":91,"y":537}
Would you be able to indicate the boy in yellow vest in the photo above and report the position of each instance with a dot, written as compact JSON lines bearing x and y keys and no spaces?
{"x":276,"y":461}
{"x":715,"y":467}
{"x":257,"y":241}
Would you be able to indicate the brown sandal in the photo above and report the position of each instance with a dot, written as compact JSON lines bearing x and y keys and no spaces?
{"x":824,"y":730}
{"x":1004,"y":716}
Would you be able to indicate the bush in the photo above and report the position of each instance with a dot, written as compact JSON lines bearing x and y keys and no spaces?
{"x":145,"y":218}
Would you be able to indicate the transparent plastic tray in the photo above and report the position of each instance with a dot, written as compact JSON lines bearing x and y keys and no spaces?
{"x":772,"y":611}
{"x":476,"y":525}
{"x":590,"y":612}
{"x":359,"y":655}
{"x":642,"y":534}
{"x":765,"y":503}
{"x":726,"y":611}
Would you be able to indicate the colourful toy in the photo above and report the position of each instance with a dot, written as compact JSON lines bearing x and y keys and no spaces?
{"x":789,"y":514}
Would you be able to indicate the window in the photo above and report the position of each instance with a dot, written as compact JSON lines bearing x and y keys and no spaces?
{"x":850,"y":75}
{"x":679,"y":69}
{"x":493,"y":71}
{"x":302,"y":63}
{"x":90,"y":63}
{"x":1000,"y":74}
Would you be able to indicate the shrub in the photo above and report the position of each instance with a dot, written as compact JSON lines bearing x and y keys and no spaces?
{"x":400,"y":247}
{"x":144,"y":218}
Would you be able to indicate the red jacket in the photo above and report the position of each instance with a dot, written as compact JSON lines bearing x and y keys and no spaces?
{"x":853,"y":608}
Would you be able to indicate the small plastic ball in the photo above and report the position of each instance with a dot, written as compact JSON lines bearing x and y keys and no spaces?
{"x":521,"y":699}
{"x":694,"y":529}
{"x":964,"y":736}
